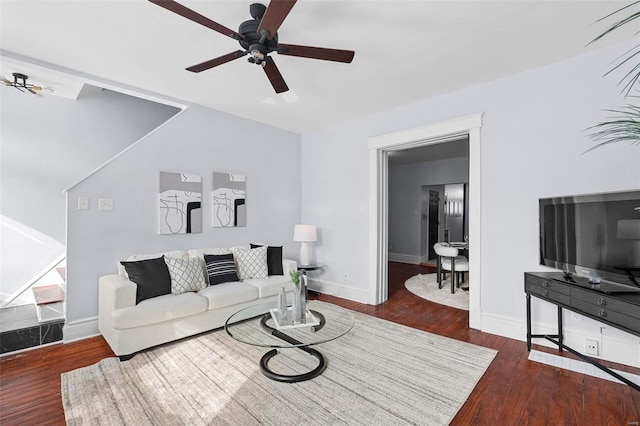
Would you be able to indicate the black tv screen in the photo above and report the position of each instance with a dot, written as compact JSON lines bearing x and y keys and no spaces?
{"x":595,"y":236}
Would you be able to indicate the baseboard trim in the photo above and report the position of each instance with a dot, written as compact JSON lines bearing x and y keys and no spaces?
{"x":405,"y":258}
{"x":623,"y":349}
{"x":80,"y":329}
{"x":339,"y":290}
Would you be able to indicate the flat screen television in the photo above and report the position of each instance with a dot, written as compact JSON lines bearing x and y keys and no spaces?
{"x":594,"y":239}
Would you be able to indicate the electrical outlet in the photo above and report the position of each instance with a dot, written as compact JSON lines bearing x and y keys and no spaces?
{"x":591,"y":347}
{"x":105,"y":204}
{"x":83,"y":203}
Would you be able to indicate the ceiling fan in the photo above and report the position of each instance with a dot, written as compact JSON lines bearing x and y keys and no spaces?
{"x":258,"y":37}
{"x":20,"y":83}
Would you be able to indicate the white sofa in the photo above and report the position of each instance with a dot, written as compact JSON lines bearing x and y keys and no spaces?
{"x":129,"y":328}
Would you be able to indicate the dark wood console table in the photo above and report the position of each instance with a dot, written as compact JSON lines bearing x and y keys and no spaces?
{"x":619,"y":310}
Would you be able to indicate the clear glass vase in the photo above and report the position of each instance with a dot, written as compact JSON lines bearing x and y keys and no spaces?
{"x":282,"y":306}
{"x":300,"y":301}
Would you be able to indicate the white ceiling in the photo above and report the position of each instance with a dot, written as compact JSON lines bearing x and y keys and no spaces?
{"x":406,"y":51}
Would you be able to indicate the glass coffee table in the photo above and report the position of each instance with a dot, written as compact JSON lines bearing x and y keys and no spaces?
{"x":255,"y":326}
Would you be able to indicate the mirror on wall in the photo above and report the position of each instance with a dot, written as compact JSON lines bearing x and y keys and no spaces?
{"x":455,"y":228}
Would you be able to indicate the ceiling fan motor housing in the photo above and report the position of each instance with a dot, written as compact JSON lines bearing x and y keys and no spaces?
{"x":249,"y":30}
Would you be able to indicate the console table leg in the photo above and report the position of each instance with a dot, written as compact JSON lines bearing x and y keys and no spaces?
{"x":528,"y":322}
{"x":560,"y":346}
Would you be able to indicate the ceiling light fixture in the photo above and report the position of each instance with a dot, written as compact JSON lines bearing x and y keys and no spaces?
{"x":20,"y":83}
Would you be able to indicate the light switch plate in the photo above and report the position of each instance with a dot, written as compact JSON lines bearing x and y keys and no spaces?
{"x":105,"y":204}
{"x":83,"y":203}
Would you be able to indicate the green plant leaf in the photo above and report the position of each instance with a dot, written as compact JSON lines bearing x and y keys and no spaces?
{"x":618,"y":24}
{"x":631,"y":78}
{"x":624,"y":127}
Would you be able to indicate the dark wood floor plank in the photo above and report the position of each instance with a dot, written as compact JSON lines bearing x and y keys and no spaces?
{"x":512,"y":391}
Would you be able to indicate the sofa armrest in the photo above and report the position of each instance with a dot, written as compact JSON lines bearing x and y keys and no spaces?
{"x":116,"y":292}
{"x":288,"y":266}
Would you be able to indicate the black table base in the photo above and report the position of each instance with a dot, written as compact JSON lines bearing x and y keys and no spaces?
{"x":264,"y":361}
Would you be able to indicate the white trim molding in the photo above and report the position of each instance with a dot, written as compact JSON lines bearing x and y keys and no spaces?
{"x":80,"y":329}
{"x":405,"y":258}
{"x":379,"y":147}
{"x":339,"y":290}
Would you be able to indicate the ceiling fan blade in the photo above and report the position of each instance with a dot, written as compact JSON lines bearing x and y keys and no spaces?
{"x":276,"y":12}
{"x":217,"y":61}
{"x":336,"y":55}
{"x":196,"y":17}
{"x":274,"y":76}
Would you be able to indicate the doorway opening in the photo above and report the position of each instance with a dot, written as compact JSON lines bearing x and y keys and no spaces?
{"x":380,"y":148}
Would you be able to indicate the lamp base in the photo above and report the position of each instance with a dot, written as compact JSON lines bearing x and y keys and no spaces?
{"x":304,"y":253}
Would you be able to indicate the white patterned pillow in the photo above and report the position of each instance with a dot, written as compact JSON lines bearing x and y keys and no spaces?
{"x":186,"y":275}
{"x":251,"y":263}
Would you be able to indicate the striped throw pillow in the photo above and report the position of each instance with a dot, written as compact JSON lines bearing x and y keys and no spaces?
{"x":220,"y":268}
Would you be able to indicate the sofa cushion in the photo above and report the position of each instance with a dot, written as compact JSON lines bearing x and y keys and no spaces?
{"x":186,"y":275}
{"x":159,"y":309}
{"x":227,"y":294}
{"x":220,"y":268}
{"x":274,"y":259}
{"x":270,"y":286}
{"x":151,"y":276}
{"x":251,"y":263}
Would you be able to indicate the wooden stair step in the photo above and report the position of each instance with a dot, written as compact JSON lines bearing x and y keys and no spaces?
{"x":48,"y":294}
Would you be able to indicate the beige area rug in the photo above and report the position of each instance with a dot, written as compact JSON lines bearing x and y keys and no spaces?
{"x":380,"y":373}
{"x":426,"y":286}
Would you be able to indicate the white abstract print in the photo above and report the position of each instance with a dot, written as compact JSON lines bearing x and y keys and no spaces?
{"x":228,"y":197}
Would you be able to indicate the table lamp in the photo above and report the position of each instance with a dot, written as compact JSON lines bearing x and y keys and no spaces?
{"x":304,"y":234}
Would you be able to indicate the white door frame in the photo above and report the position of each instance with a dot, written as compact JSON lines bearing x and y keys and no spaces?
{"x":379,"y":148}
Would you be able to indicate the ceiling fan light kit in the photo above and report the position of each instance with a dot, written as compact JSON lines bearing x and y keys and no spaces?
{"x":258,"y":37}
{"x":20,"y":83}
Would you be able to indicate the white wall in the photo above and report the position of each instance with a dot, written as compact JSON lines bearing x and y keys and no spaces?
{"x":197,"y":141}
{"x":48,"y":144}
{"x":405,"y":199}
{"x":532,"y":140}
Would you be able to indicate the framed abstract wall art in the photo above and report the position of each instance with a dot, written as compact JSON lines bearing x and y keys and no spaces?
{"x":180,"y":203}
{"x":229,"y":198}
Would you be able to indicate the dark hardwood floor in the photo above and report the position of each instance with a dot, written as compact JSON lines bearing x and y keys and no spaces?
{"x":513,"y":391}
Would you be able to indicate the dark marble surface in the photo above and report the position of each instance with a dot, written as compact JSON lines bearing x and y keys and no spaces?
{"x":51,"y":332}
{"x":29,"y":337}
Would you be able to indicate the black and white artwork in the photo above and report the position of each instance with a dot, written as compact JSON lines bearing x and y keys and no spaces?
{"x":180,"y":203}
{"x":228,"y":197}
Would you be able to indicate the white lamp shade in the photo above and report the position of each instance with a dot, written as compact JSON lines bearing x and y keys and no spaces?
{"x":305,"y":233}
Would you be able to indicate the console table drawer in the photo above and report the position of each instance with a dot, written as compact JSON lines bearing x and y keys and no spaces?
{"x":547,"y":289}
{"x":606,"y":314}
{"x":603,"y":301}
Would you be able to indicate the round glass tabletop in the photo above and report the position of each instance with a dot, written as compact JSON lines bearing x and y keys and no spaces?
{"x":257,"y":326}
